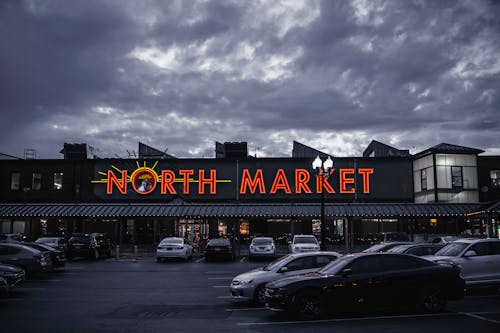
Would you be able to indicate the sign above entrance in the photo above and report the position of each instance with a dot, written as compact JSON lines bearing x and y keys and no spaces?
{"x":203,"y":179}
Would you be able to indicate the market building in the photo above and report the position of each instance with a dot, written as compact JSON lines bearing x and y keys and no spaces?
{"x":446,"y":189}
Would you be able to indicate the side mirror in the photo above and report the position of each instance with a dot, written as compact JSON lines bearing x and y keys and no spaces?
{"x":346,"y":272}
{"x":470,"y":254}
{"x":283,"y":269}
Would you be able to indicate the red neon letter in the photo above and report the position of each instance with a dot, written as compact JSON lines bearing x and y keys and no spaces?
{"x":280,"y":182}
{"x":167,"y":179}
{"x":121,"y":186}
{"x":186,"y":174}
{"x":246,"y":180}
{"x":302,"y":177}
{"x":344,"y":180}
{"x":321,"y":183}
{"x":208,"y":181}
{"x":366,"y":178}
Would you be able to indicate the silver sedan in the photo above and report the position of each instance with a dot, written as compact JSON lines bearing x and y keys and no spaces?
{"x":249,"y":286}
{"x":174,"y":247}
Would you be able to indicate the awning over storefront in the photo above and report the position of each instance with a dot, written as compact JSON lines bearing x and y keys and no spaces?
{"x":491,"y":208}
{"x":236,"y":210}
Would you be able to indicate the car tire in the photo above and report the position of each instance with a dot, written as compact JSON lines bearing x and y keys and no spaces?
{"x":258,"y":297}
{"x":432,"y":300}
{"x":308,"y":305}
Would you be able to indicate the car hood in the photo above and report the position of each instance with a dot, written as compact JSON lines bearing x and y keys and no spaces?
{"x":251,"y":275}
{"x":438,"y":258}
{"x":10,"y":268}
{"x":297,"y":278}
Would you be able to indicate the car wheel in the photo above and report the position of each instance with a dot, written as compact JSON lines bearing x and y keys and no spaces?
{"x":308,"y":305}
{"x":259,"y":295}
{"x":433,"y":300}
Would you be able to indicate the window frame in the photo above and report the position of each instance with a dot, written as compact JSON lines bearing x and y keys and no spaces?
{"x":12,"y":181}
{"x":39,"y":187}
{"x":60,"y":174}
{"x":495,"y":182}
{"x":423,"y":179}
{"x":453,"y":177}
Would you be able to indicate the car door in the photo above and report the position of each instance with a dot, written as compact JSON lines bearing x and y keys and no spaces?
{"x":475,"y":268}
{"x":298,"y":266}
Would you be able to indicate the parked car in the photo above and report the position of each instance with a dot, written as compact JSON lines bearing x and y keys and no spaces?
{"x":4,"y":288}
{"x":445,"y":239}
{"x":303,"y":243}
{"x":478,"y":259}
{"x":392,"y":236}
{"x":57,"y":256}
{"x":55,"y":242}
{"x":12,"y":238}
{"x":419,"y":250}
{"x":262,"y":247}
{"x":367,"y":280}
{"x":174,"y":247}
{"x":92,"y":246}
{"x":13,"y":274}
{"x":219,"y":248}
{"x":30,"y":260}
{"x":384,"y":246}
{"x":250,"y":286}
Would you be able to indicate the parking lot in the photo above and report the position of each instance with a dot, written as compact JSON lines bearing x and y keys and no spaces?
{"x":145,"y":296}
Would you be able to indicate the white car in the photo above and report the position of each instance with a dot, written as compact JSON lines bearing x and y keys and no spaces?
{"x":304,"y":243}
{"x":262,"y":247}
{"x":478,"y":259}
{"x":174,"y":247}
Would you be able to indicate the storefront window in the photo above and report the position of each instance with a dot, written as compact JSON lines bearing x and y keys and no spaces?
{"x":456,"y":176}
{"x":37,"y":181}
{"x":58,"y":180}
{"x":15,"y":181}
{"x":495,"y":178}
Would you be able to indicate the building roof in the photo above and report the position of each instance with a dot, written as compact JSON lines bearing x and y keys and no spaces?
{"x":239,"y":210}
{"x":447,"y":148}
{"x":379,"y":149}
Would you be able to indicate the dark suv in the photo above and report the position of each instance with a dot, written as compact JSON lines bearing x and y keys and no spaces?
{"x":92,"y":246}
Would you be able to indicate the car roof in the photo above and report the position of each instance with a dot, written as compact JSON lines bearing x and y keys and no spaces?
{"x":313,"y":253}
{"x":476,"y":240}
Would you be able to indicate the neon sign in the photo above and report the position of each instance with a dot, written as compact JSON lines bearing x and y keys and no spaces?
{"x":146,"y":180}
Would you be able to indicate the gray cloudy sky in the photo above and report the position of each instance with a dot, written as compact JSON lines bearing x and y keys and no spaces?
{"x":183,"y":74}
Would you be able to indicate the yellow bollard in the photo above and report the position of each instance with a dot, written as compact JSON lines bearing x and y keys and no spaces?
{"x":136,"y":252}
{"x":117,"y":252}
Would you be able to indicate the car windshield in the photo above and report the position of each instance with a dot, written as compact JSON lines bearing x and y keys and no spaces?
{"x":275,"y":263}
{"x":171,"y":241}
{"x":218,"y":242}
{"x":398,"y":249}
{"x":262,"y":241}
{"x":306,"y":240}
{"x":335,"y":266}
{"x":46,"y":240}
{"x":452,"y":250}
{"x":375,"y":248}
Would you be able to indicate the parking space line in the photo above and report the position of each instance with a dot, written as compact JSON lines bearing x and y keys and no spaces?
{"x":347,"y":319}
{"x":220,"y":286}
{"x":199,"y":260}
{"x":243,"y":259}
{"x":477,"y":316}
{"x":220,"y":278}
{"x":247,"y":309}
{"x":218,"y":272}
{"x":224,"y":297}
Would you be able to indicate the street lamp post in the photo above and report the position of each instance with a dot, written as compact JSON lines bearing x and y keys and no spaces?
{"x":323,"y":170}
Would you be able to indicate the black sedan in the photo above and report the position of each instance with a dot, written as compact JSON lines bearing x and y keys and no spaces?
{"x":58,"y":257}
{"x":13,"y":274}
{"x":367,"y":281}
{"x":219,"y":248}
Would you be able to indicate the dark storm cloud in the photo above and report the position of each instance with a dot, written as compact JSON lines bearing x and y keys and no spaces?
{"x":183,"y":74}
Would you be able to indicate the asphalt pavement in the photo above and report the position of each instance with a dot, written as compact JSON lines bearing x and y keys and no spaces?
{"x":142,"y":295}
